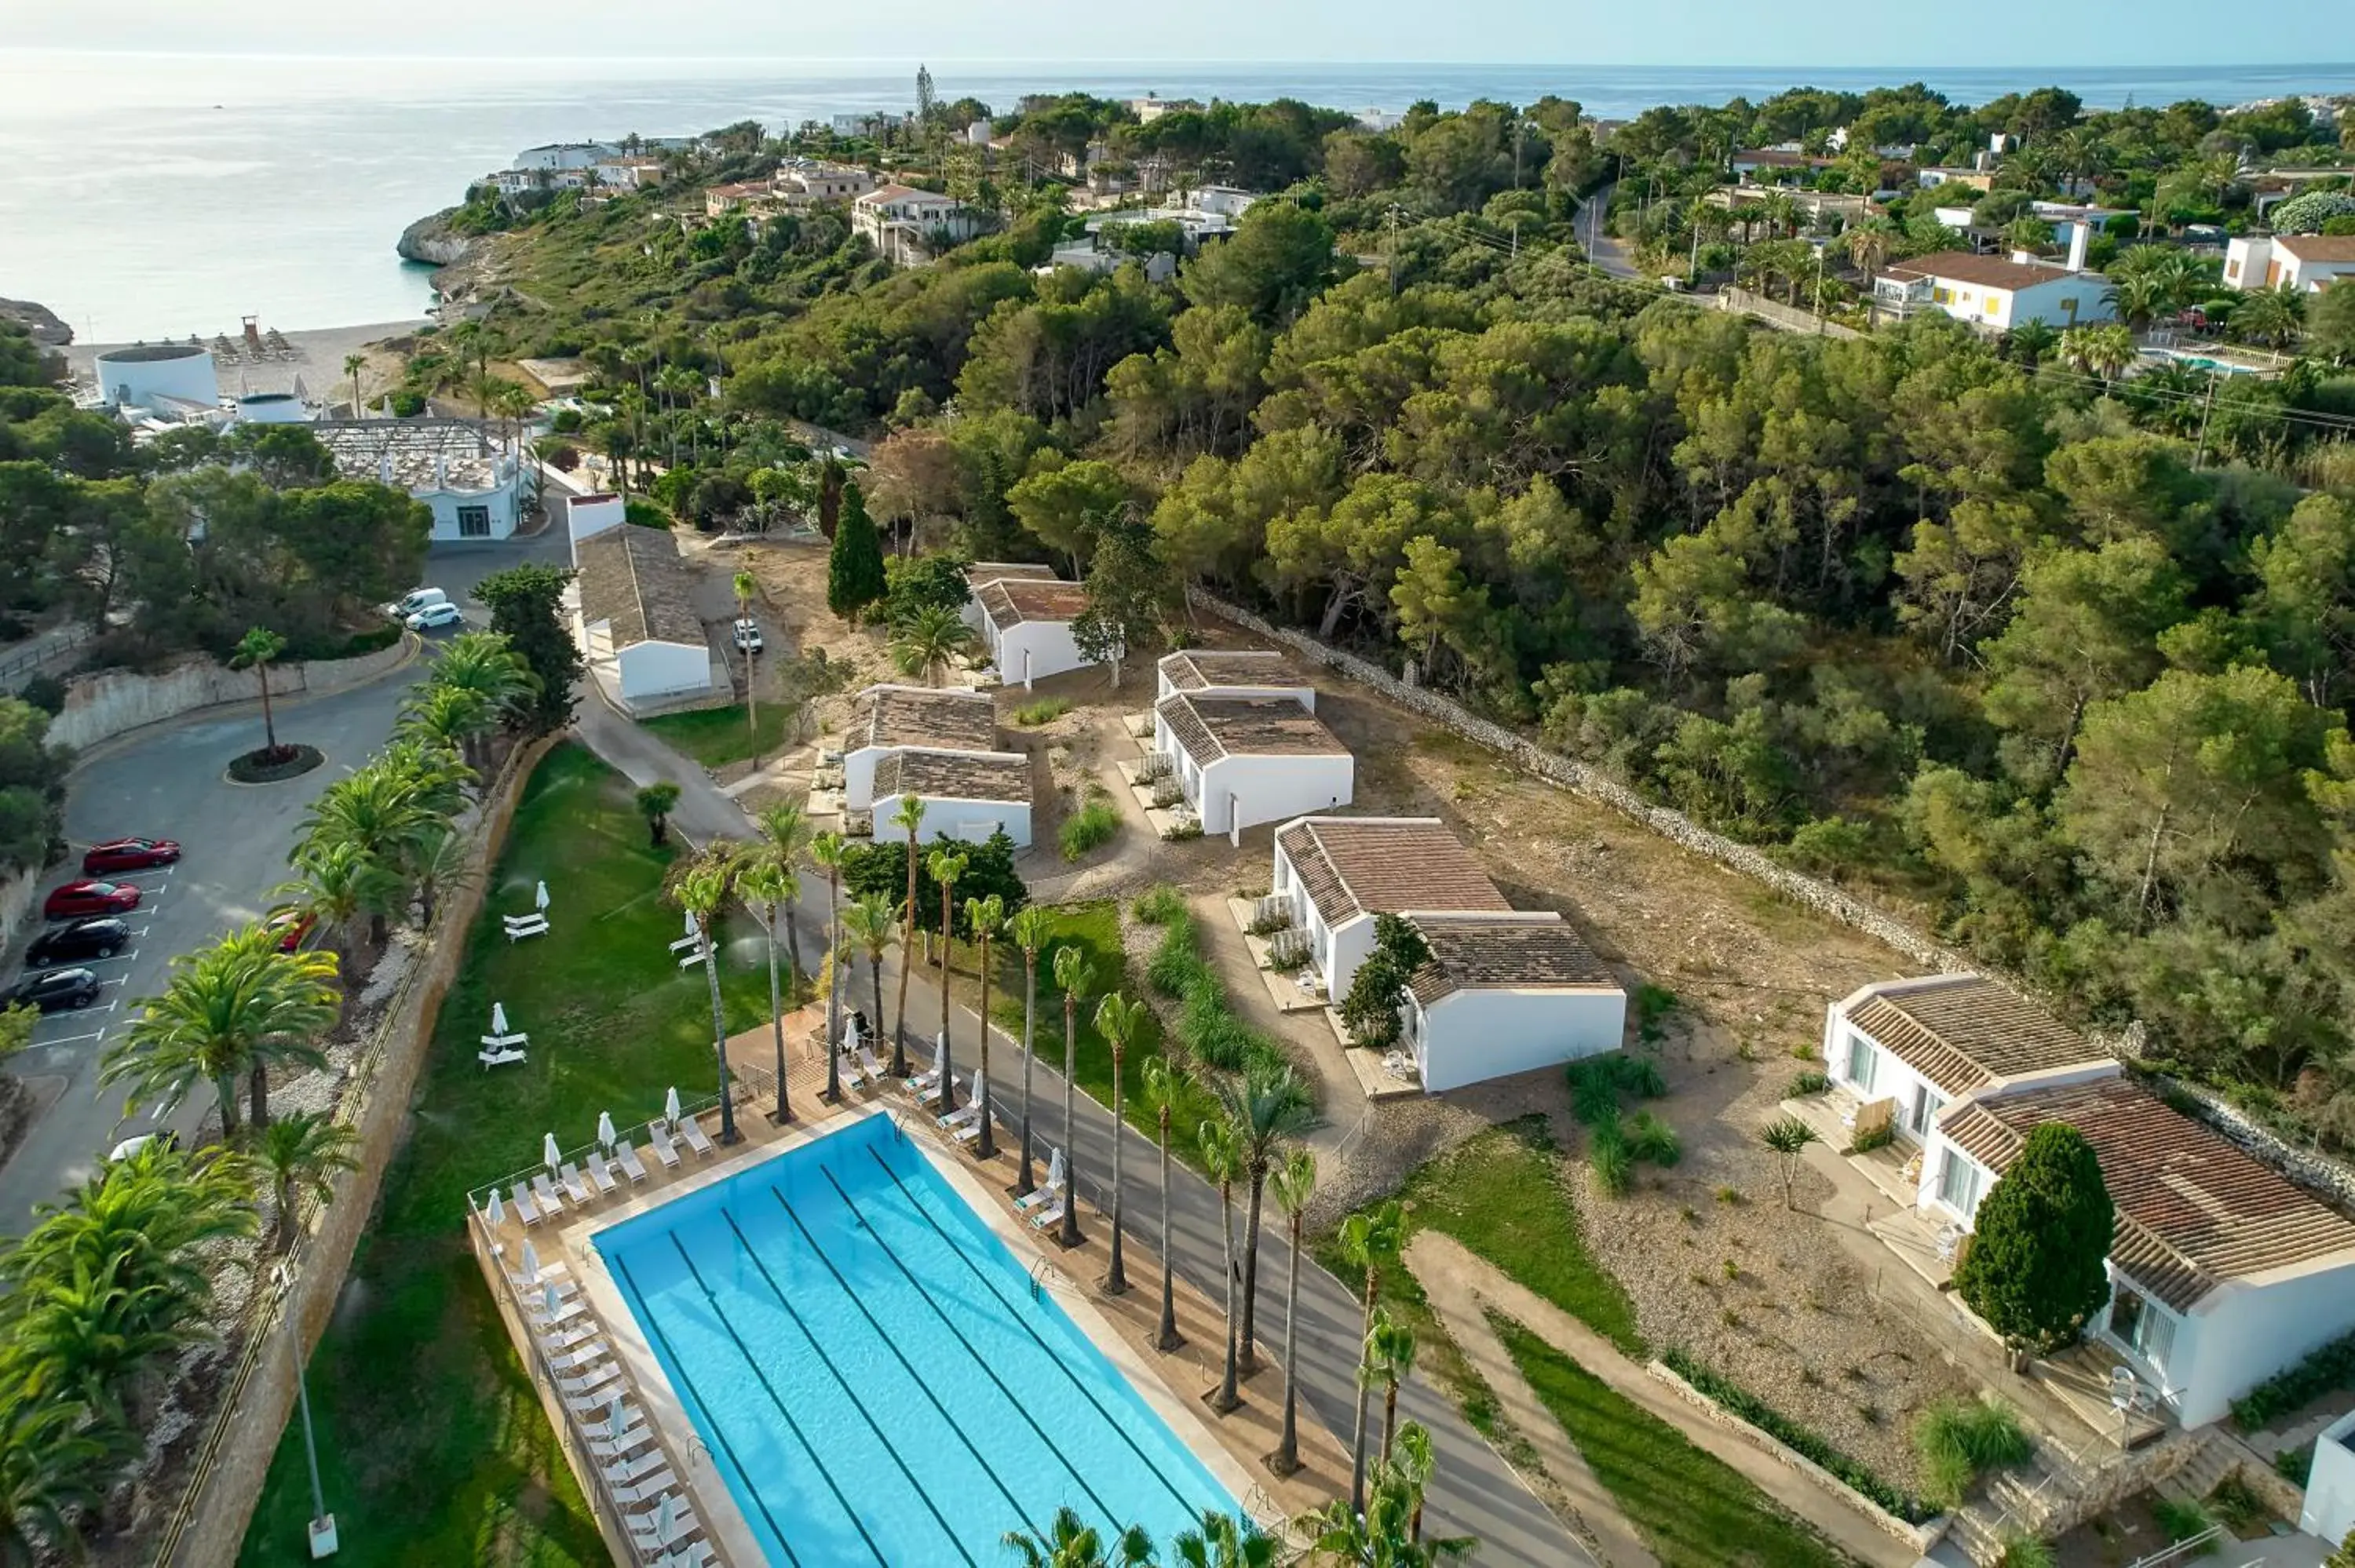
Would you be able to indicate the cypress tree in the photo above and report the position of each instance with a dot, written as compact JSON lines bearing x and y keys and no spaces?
{"x":2034,"y":1269}
{"x":854,"y":568}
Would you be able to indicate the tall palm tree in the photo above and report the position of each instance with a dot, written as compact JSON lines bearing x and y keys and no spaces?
{"x":2029,"y":342}
{"x":1223,"y":1541}
{"x":1222,"y":1162}
{"x":451,"y":716}
{"x":1868,"y":246}
{"x":762,"y":882}
{"x":984,"y":918}
{"x":925,"y":642}
{"x":1296,"y":1184}
{"x":486,"y":663}
{"x":446,"y":863}
{"x":2105,"y":349}
{"x":301,"y":1153}
{"x":784,"y":828}
{"x":701,"y":892}
{"x":1265,"y":1108}
{"x":1386,"y":1527}
{"x":945,"y":867}
{"x":228,"y":1011}
{"x":910,"y":819}
{"x":2272,"y":316}
{"x":1071,"y":1542}
{"x":871,"y":925}
{"x":2138,"y":296}
{"x":1369,"y":1240}
{"x":353,"y":364}
{"x":334,"y":883}
{"x":254,"y":651}
{"x":1077,"y":978}
{"x":746,"y":585}
{"x":1119,"y":1021}
{"x":1166,"y":1080}
{"x":828,"y":850}
{"x":1389,"y":1358}
{"x":1028,"y":931}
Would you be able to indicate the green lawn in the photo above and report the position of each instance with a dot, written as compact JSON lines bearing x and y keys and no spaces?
{"x":718,"y":737}
{"x":432,"y":1447}
{"x":1693,"y":1509}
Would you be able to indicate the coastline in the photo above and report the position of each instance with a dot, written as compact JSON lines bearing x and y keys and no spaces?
{"x":317,"y":359}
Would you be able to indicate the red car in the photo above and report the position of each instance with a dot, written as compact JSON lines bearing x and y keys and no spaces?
{"x":128,"y":854}
{"x":293,"y":926}
{"x":76,"y":899}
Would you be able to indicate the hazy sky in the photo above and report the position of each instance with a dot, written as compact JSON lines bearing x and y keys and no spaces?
{"x":2062,"y":33}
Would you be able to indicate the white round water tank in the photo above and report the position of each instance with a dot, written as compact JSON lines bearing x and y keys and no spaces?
{"x":271,"y":408}
{"x":158,"y":376}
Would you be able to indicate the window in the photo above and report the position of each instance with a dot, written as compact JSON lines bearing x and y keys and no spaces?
{"x":474,"y":522}
{"x":1959,"y":1183}
{"x":1862,"y":1060}
{"x":2140,"y":1324}
{"x":1927,"y":1103}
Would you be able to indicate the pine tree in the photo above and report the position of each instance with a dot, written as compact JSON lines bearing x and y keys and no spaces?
{"x":2034,"y":1267}
{"x":854,"y":569}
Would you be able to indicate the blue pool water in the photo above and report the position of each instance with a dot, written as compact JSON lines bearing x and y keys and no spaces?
{"x":875,"y":1376}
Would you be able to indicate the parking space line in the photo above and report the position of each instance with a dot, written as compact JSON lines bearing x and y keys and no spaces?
{"x":68,"y":1039}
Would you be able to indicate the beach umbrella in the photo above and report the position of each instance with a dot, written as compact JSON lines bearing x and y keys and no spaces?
{"x":539,"y":898}
{"x":666,"y":1517}
{"x":530,"y":1259}
{"x":605,"y":1135}
{"x":692,"y":929}
{"x":1055,"y":1169}
{"x":850,"y":1034}
{"x":615,"y":1417}
{"x":548,"y":1302}
{"x":939,"y":1054}
{"x":670,"y":1106}
{"x":498,"y":1018}
{"x":548,"y":1152}
{"x":497,"y":1213}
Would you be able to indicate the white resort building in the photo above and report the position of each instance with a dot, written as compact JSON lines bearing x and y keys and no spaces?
{"x":1233,"y":672}
{"x":942,"y":747}
{"x":1243,"y":760}
{"x":1025,"y":624}
{"x":477,"y":483}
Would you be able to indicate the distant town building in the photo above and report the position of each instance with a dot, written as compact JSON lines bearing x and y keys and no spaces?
{"x":566,"y":155}
{"x":874,"y":126}
{"x":903,"y":223}
{"x":720,"y":200}
{"x":629,"y":174}
{"x":801,"y":181}
{"x":520,"y":181}
{"x":1378,"y":121}
{"x":1148,"y":109}
{"x":2306,"y":262}
{"x":1777,"y":161}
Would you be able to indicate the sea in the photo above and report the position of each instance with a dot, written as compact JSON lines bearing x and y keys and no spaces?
{"x":154,"y":196}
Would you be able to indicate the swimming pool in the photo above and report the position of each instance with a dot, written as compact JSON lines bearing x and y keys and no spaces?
{"x":873,"y":1372}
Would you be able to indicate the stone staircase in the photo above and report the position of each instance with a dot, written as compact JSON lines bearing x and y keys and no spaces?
{"x":2059,"y":1488}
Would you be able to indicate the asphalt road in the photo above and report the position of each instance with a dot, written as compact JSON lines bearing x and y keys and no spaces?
{"x":1610,"y":255}
{"x":169,"y":780}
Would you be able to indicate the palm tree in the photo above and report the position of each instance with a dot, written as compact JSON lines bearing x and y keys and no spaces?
{"x":2029,"y":233}
{"x":1166,"y":1079}
{"x":1119,"y":1021}
{"x":487,"y":662}
{"x":2272,"y":316}
{"x":1265,"y":1108}
{"x":871,"y":925}
{"x":655,"y":803}
{"x":334,"y":883}
{"x":910,"y":819}
{"x":446,"y":863}
{"x":984,"y":918}
{"x":2105,"y":350}
{"x":55,"y":1464}
{"x":451,"y":716}
{"x":1868,"y":246}
{"x":1386,"y":1528}
{"x":1028,"y":929}
{"x":925,"y":642}
{"x":828,"y":850}
{"x":945,"y":866}
{"x":353,"y":364}
{"x":764,"y":882}
{"x":701,"y":892}
{"x":301,"y":1153}
{"x":1071,"y":1542}
{"x":228,"y":1011}
{"x":1389,"y":1358}
{"x":254,"y":651}
{"x":1222,"y":1161}
{"x":1369,"y":1240}
{"x":784,"y":828}
{"x":1077,"y":978}
{"x":2029,"y":342}
{"x":2138,"y":296}
{"x":1296,"y":1184}
{"x":1224,"y":1540}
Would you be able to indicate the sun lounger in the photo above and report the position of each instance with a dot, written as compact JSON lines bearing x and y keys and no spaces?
{"x":1036,"y":1197}
{"x":653,"y":1486}
{"x":566,"y":1335}
{"x":853,"y":1075}
{"x":636,"y":1437}
{"x":869,"y":1066}
{"x":924,"y":1083}
{"x":589,"y":1406}
{"x":970,"y":1131}
{"x":622,"y":1472}
{"x":546,"y":1190}
{"x":642,"y":1527}
{"x":693,"y":1554}
{"x":549,"y":1322}
{"x":598,"y":1380}
{"x":970,"y":1109}
{"x":599,"y":1176}
{"x":697,"y":1139}
{"x":574,"y":1188}
{"x":588,"y":1353}
{"x":524,"y":1209}
{"x":519,"y":927}
{"x":498,"y":1057}
{"x":1051,"y":1215}
{"x":659,"y":1139}
{"x":632,"y":1165}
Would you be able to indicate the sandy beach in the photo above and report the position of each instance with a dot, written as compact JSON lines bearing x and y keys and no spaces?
{"x":316,"y":357}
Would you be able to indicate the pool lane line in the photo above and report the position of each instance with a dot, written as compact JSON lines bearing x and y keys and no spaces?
{"x":1151,"y":1466}
{"x":978,"y":1358}
{"x":921,"y":1384}
{"x":646,"y":1318}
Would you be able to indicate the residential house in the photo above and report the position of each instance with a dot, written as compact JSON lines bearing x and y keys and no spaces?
{"x":1504,"y":994}
{"x":2306,"y":262}
{"x":924,"y":718}
{"x":1026,"y":623}
{"x":1992,"y":293}
{"x":903,"y":223}
{"x":875,"y":125}
{"x":967,"y":795}
{"x":635,"y":621}
{"x":981,"y":572}
{"x":1148,"y":109}
{"x":1336,"y":874}
{"x":1375,"y":122}
{"x":1980,"y":180}
{"x":1920,"y":1044}
{"x":802,"y":181}
{"x":629,"y":174}
{"x":566,"y":155}
{"x":718,"y":201}
{"x":2329,"y":1510}
{"x":1233,"y":672}
{"x":521,"y":182}
{"x":1241,"y":761}
{"x":1776,"y":162}
{"x":1226,"y":201}
{"x":591,"y":513}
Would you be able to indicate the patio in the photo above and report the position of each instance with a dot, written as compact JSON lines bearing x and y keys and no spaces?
{"x":1295,"y":987}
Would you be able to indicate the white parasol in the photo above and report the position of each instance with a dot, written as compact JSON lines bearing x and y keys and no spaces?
{"x":548,"y":1302}
{"x":670,"y":1106}
{"x":540,"y":899}
{"x":1055,"y":1169}
{"x":549,"y":1153}
{"x":614,"y":1418}
{"x":498,"y":1018}
{"x":530,"y":1260}
{"x":606,"y":1137}
{"x":497,"y":1212}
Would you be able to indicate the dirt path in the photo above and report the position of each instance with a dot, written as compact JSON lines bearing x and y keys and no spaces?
{"x":1459,"y":1283}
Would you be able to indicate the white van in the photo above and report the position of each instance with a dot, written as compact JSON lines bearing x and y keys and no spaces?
{"x":417,"y":600}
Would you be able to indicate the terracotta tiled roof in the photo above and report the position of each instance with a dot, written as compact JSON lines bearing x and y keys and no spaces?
{"x":1532,"y":952}
{"x":954,"y":774}
{"x":1208,"y":728}
{"x":2194,"y":1210}
{"x":1012,"y":600}
{"x":2319,"y":247}
{"x":1350,"y":866}
{"x":1985,"y":271}
{"x":1966,"y":1031}
{"x":909,"y":716}
{"x":633,"y":579}
{"x":1192,"y":670}
{"x":982,"y":572}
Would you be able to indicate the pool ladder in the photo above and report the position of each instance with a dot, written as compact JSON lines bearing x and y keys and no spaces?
{"x":1045,"y":1276}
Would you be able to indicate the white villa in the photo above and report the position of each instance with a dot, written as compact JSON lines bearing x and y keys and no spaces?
{"x":2306,"y":262}
{"x":902,"y":222}
{"x":636,"y":618}
{"x":1243,"y":760}
{"x":1337,"y":873}
{"x":2222,"y":1271}
{"x":1992,"y":292}
{"x":982,"y":572}
{"x":1505,"y":994}
{"x":474,"y":482}
{"x":1233,"y":672}
{"x":1026,"y":623}
{"x":942,"y":747}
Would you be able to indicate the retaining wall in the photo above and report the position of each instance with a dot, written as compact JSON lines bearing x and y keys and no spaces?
{"x":207,"y":1526}
{"x":111,"y":703}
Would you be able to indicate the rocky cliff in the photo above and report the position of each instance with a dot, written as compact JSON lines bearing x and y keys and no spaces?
{"x":39,"y":320}
{"x":433,"y":242}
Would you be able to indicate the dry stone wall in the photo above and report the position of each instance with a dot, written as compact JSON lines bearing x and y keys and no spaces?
{"x":103,"y":706}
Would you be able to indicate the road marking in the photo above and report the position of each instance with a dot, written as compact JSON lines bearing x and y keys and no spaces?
{"x":119,"y":979}
{"x":69,"y":1039}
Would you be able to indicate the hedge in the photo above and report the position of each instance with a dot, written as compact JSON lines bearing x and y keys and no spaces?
{"x":1805,"y":1440}
{"x":2326,"y":1371}
{"x":1205,"y":1024}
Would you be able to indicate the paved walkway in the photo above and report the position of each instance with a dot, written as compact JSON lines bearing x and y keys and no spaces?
{"x":1460,"y":1281}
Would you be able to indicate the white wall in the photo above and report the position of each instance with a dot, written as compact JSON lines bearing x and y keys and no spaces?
{"x":662,"y":669}
{"x":1892,"y":1078}
{"x":2330,"y":1484}
{"x":585,"y":517}
{"x":146,"y":382}
{"x":973,"y":820}
{"x":2244,"y":1332}
{"x":2044,"y":302}
{"x":1033,"y":650}
{"x":1470,"y":1036}
{"x":1238,"y":792}
{"x":503,"y":502}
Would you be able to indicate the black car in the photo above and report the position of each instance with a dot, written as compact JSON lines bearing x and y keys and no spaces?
{"x":97,"y":938}
{"x":56,"y":990}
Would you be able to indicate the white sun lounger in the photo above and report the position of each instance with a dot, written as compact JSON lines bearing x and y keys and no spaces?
{"x":574,"y":1188}
{"x":971,"y":1110}
{"x":693,"y":1554}
{"x":1051,"y":1215}
{"x":653,"y":1486}
{"x":546,"y":1191}
{"x":632,"y":1167}
{"x":970,"y":1131}
{"x":599,"y":1175}
{"x":622,"y":1472}
{"x":642,"y":1528}
{"x":873,"y":1068}
{"x":854,"y":1077}
{"x":1042,"y":1194}
{"x":524,"y":1208}
{"x":560,"y":1339}
{"x":588,"y":1353}
{"x":499,"y":1057}
{"x":590,"y":1405}
{"x":598,"y":1381}
{"x":659,"y":1139}
{"x":691,"y":1129}
{"x":632,"y":1440}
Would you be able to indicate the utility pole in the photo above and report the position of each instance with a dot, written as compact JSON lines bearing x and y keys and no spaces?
{"x":322,"y":1523}
{"x":1516,"y":237}
{"x":1393,"y":222}
{"x":2207,"y":406}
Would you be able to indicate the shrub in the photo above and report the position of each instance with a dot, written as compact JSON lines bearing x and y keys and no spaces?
{"x":1593,"y":1098}
{"x":1090,"y":827}
{"x":1653,"y":1141}
{"x":1174,"y":960}
{"x":1960,"y":1439}
{"x":644,"y":513}
{"x":1046,"y":710}
{"x":2328,"y":1370}
{"x":46,"y":693}
{"x":1803,"y":1440}
{"x":1206,"y":1027}
{"x":2024,"y":1551}
{"x":2034,"y":1270}
{"x":1880,"y":1137}
{"x":1810,"y":1081}
{"x":2236,"y":1502}
{"x":1159,"y":906}
{"x":2295,"y":1465}
{"x":2182,"y":1520}
{"x":1608,"y":1155}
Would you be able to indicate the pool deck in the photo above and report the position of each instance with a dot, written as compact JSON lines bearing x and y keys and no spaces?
{"x":1177,"y":1385}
